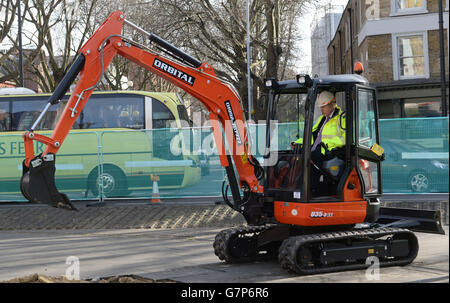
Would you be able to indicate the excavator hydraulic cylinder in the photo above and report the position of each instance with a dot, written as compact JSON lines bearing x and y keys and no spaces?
{"x":38,"y":174}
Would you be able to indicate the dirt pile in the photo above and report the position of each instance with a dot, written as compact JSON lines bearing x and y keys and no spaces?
{"x":36,"y":278}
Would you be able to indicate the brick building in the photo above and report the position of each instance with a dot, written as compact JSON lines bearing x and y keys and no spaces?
{"x":11,"y":64}
{"x":398,"y":43}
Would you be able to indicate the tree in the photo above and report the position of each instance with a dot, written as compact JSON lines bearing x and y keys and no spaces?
{"x":122,"y":69}
{"x":212,"y":30}
{"x":61,"y":28}
{"x":53,"y":31}
{"x":215,"y":31}
{"x":8,"y":14}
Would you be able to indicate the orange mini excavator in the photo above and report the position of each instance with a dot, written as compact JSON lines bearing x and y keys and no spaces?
{"x":338,"y":226}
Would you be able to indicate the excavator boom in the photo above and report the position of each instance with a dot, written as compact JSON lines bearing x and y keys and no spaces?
{"x":186,"y":72}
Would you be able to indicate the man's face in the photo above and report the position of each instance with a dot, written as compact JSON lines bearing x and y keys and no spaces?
{"x":327,"y":110}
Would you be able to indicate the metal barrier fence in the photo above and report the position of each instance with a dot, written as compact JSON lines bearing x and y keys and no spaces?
{"x":184,"y":162}
{"x":416,"y":155}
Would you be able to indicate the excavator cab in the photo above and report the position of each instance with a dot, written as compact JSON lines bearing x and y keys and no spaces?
{"x":349,"y":173}
{"x":293,"y":111}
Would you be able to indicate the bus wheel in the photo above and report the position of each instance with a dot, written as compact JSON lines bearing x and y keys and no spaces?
{"x":112,"y":179}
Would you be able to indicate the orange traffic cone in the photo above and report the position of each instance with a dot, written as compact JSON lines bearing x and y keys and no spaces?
{"x":155,"y":193}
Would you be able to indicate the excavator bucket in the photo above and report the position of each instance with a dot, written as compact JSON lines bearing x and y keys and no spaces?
{"x":426,"y":221}
{"x":38,"y":183}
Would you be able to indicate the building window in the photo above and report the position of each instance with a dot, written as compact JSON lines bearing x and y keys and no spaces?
{"x":411,"y":56}
{"x":408,"y":6}
{"x":390,"y":109}
{"x":405,"y":4}
{"x":422,"y":107}
{"x":348,"y":40}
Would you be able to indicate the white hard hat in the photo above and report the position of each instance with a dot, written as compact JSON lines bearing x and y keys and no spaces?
{"x":325,"y":98}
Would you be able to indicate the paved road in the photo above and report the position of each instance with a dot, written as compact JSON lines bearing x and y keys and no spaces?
{"x":181,"y":254}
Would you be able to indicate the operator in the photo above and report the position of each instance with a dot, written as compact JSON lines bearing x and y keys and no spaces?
{"x":328,"y":134}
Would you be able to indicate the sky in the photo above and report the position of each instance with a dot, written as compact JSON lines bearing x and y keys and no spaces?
{"x":305,"y":22}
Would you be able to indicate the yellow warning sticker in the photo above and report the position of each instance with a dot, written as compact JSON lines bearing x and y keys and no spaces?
{"x":378,"y":150}
{"x":244,"y":158}
{"x":371,"y":251}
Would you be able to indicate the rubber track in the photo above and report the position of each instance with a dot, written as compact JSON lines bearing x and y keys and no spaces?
{"x":222,"y":242}
{"x":288,"y":250}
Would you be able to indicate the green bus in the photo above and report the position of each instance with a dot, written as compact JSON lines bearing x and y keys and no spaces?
{"x":119,"y":140}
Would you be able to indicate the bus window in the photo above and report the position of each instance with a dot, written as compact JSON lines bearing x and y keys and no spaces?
{"x":162,"y":117}
{"x":182,"y":113}
{"x":112,"y":111}
{"x":4,"y":116}
{"x":25,"y":113}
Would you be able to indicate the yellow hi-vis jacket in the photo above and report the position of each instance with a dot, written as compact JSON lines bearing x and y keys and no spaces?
{"x":333,"y":132}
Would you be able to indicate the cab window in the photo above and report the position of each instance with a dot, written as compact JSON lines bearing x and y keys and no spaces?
{"x":367,"y":137}
{"x":366,"y":119}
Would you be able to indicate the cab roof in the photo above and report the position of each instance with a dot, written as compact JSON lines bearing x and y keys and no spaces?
{"x":342,"y":80}
{"x":337,"y":81}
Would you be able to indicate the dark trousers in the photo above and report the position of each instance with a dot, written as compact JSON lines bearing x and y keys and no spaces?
{"x":317,"y":158}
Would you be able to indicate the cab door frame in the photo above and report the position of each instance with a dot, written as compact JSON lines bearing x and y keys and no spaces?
{"x":365,"y":152}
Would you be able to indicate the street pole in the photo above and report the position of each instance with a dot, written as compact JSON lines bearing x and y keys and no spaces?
{"x":442,"y":55}
{"x":20,"y":44}
{"x":249,"y":80}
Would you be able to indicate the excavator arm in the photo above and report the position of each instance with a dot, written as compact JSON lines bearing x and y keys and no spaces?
{"x":196,"y":78}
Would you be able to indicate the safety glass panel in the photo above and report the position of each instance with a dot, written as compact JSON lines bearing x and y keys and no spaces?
{"x":366,"y":119}
{"x":284,"y":167}
{"x":288,"y":121}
